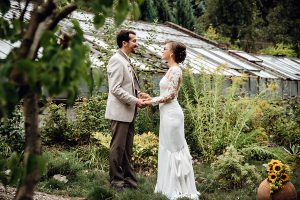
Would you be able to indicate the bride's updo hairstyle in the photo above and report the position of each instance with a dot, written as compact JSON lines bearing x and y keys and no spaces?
{"x":179,"y":50}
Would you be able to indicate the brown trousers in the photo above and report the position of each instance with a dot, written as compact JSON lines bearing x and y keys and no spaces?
{"x":120,"y":171}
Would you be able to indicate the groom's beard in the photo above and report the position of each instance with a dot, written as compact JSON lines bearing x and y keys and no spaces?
{"x":133,"y":49}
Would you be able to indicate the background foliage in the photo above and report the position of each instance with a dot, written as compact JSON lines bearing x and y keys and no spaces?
{"x":249,"y":25}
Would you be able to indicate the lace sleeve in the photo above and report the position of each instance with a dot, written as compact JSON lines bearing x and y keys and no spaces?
{"x":173,"y":77}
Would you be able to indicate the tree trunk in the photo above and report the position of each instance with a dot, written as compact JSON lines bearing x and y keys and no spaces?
{"x":39,"y":22}
{"x":32,"y":148}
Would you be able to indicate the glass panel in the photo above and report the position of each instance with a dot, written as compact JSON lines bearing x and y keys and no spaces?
{"x":246,"y":56}
{"x":234,"y":61}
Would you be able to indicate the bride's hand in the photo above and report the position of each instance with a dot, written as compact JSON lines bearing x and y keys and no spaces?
{"x":143,"y":95}
{"x":147,"y":102}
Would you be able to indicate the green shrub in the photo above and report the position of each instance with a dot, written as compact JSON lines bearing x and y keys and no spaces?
{"x":230,"y":171}
{"x":145,"y":150}
{"x":55,"y":184}
{"x":212,"y":34}
{"x":94,"y":156}
{"x":131,"y":195}
{"x":5,"y":149}
{"x":56,"y":128}
{"x":64,"y":163}
{"x":281,"y":121}
{"x":279,"y":50}
{"x":12,"y":133}
{"x":11,"y":170}
{"x":90,"y":117}
{"x":286,"y":129}
{"x":218,"y":116}
{"x":257,"y":153}
{"x":256,"y":136}
{"x":100,"y":193}
{"x":147,"y":120}
{"x":77,"y":127}
{"x":215,"y":117}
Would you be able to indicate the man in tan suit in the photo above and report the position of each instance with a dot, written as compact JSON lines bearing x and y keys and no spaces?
{"x":123,"y":99}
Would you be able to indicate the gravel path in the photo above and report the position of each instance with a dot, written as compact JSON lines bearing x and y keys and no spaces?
{"x":9,"y":194}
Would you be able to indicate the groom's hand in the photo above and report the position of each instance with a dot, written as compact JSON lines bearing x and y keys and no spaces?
{"x":143,"y":95}
{"x":140,"y":103}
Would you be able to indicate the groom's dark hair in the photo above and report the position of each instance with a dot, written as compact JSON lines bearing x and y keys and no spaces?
{"x":123,"y":35}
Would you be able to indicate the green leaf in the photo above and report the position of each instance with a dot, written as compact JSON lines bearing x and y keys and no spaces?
{"x":29,"y":67}
{"x":139,"y":1}
{"x":72,"y":93}
{"x":121,"y":11}
{"x":4,"y":179}
{"x":16,"y":169}
{"x":4,"y":6}
{"x":106,"y":3}
{"x":135,"y":10}
{"x":3,"y":165}
{"x":99,"y":20}
{"x":42,"y":164}
{"x":17,"y":26}
{"x":5,"y":29}
{"x":30,"y":163}
{"x":47,"y":39}
{"x":97,"y":77}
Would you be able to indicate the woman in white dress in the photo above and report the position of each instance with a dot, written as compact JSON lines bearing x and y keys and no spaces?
{"x":175,"y":177}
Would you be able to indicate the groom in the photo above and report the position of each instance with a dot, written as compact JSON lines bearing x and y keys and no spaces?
{"x":123,"y":99}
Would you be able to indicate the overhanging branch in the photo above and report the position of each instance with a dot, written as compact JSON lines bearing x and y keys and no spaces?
{"x":39,"y":14}
{"x":65,"y":11}
{"x":49,"y":24}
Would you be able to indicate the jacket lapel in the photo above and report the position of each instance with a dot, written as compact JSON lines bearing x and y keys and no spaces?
{"x":131,"y":68}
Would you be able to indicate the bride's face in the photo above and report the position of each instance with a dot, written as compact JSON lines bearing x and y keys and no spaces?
{"x":167,"y":53}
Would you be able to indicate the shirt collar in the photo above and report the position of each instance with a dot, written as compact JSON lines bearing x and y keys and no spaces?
{"x":124,"y":55}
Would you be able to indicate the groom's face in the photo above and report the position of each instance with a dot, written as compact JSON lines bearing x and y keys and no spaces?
{"x":132,"y":43}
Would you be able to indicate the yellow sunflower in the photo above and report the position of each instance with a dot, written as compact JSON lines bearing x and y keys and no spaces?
{"x":274,"y":162}
{"x":272,"y":177}
{"x":277,"y":168}
{"x":284,"y":177}
{"x":270,"y":168}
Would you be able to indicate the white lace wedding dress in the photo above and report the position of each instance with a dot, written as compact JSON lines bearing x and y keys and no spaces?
{"x":175,"y":178}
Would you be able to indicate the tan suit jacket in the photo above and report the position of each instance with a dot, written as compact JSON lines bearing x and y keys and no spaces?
{"x":121,"y":102}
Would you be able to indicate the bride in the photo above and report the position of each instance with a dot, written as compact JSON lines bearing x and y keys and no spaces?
{"x":175,"y":178}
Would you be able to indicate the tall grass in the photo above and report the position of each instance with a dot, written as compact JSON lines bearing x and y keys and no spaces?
{"x":216,"y":116}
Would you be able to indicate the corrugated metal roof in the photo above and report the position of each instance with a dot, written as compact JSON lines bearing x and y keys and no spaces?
{"x":6,"y":47}
{"x":276,"y":63}
{"x":163,"y":33}
{"x":281,"y":67}
{"x":292,"y":64}
{"x":244,"y":55}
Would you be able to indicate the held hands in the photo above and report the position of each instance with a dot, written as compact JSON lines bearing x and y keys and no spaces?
{"x":144,"y":100}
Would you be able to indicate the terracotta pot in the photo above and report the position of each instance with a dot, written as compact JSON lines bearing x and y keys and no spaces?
{"x":288,"y":192}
